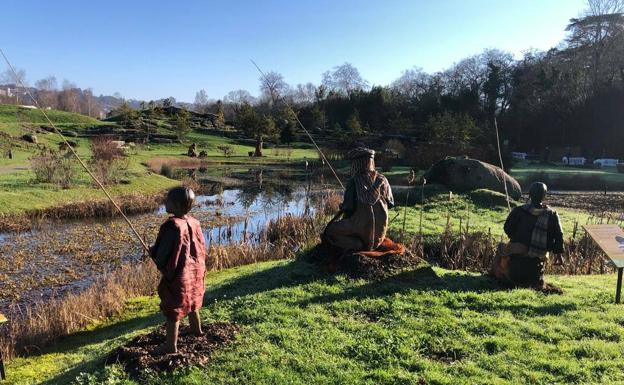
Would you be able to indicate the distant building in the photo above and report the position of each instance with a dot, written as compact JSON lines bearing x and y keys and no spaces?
{"x":606,"y":162}
{"x":574,"y":161}
{"x":519,"y":155}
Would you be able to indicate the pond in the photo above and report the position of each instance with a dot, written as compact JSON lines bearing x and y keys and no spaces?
{"x":61,"y":256}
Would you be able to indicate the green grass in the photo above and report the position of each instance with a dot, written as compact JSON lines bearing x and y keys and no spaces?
{"x":482,"y":210}
{"x":569,"y":178}
{"x":301,"y":327}
{"x":19,"y":192}
{"x":8,"y":115}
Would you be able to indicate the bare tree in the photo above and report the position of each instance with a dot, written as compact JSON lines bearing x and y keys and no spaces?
{"x":47,"y":91}
{"x":272,"y":86}
{"x":239,"y":97}
{"x":597,"y":38}
{"x":344,"y":79}
{"x":201,"y":101}
{"x":233,"y":102}
{"x":8,"y":77}
{"x":304,"y":94}
{"x":69,"y":98}
{"x":412,"y":83}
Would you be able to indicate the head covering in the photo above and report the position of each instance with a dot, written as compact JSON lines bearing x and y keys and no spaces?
{"x":537,"y":192}
{"x":367,"y":181}
{"x":360,"y":152}
{"x":179,"y":201}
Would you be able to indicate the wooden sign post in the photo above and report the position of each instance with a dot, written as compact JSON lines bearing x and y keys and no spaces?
{"x":610,"y":239}
{"x":2,"y":374}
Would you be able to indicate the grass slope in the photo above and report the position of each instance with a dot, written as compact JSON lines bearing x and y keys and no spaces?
{"x":301,"y":327}
{"x":10,"y":114}
{"x":481,"y":210}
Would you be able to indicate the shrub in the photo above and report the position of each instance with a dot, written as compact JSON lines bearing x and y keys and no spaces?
{"x":51,"y":166}
{"x":104,"y":148}
{"x":166,"y":170}
{"x":107,"y":160}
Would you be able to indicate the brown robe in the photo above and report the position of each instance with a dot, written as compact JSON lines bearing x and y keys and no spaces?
{"x":364,"y":225}
{"x":180,"y":255}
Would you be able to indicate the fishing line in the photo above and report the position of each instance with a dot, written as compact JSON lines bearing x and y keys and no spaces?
{"x":500,"y":158}
{"x":304,"y":129}
{"x":71,"y":148}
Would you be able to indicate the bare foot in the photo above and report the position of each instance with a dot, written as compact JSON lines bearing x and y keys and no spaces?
{"x":162,"y":350}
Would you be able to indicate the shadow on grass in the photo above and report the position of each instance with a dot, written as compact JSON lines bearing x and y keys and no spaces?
{"x":295,"y":273}
{"x":425,"y":279}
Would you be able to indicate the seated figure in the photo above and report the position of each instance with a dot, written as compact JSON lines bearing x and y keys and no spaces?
{"x":364,"y":209}
{"x":534,"y":231}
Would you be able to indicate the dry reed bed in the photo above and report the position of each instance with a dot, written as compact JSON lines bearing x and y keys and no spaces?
{"x":130,"y":204}
{"x":474,"y":251}
{"x":35,"y":325}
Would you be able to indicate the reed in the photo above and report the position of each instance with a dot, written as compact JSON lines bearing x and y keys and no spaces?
{"x":36,"y":325}
{"x":130,"y":204}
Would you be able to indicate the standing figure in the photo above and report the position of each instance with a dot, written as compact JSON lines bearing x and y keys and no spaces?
{"x":534,"y":231}
{"x":180,"y":255}
{"x":364,"y":209}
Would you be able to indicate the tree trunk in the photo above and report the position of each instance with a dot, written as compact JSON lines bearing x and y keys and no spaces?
{"x":258,"y":152}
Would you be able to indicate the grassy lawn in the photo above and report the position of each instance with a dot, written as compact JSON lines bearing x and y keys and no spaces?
{"x":569,"y":177}
{"x":481,"y":210}
{"x":10,"y":113}
{"x":19,"y":192}
{"x":302,"y":327}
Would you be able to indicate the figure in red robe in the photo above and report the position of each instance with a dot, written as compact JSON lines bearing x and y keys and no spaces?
{"x":180,"y":255}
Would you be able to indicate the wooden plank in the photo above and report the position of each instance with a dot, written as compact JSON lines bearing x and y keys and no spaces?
{"x":610,"y":239}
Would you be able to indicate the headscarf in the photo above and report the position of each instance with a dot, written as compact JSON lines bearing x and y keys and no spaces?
{"x":367,"y":181}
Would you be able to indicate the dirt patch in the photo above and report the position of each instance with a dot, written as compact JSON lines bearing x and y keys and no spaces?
{"x":358,"y":266}
{"x":595,"y":203}
{"x":137,"y":359}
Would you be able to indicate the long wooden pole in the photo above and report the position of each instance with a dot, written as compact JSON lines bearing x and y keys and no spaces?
{"x":304,"y":129}
{"x":82,"y":163}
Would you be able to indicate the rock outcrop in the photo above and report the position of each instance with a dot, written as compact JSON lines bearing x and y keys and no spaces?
{"x":464,"y":174}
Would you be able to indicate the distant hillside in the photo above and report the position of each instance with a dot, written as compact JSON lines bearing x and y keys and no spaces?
{"x":12,"y":114}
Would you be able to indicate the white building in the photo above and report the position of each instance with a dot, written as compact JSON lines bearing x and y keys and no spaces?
{"x":606,"y":162}
{"x":574,"y":161}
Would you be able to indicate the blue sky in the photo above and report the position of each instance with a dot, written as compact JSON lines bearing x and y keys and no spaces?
{"x":153,"y":49}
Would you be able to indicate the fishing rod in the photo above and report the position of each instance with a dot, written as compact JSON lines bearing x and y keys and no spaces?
{"x":500,"y":158}
{"x":71,"y":148}
{"x":303,"y":127}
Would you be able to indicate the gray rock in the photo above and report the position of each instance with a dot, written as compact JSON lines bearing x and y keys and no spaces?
{"x":464,"y":174}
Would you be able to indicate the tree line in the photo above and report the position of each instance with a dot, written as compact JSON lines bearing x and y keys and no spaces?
{"x":571,"y":96}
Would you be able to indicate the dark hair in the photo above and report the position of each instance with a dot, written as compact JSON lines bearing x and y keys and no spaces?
{"x":179,"y":201}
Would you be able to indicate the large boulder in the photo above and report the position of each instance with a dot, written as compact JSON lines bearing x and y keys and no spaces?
{"x":464,"y":174}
